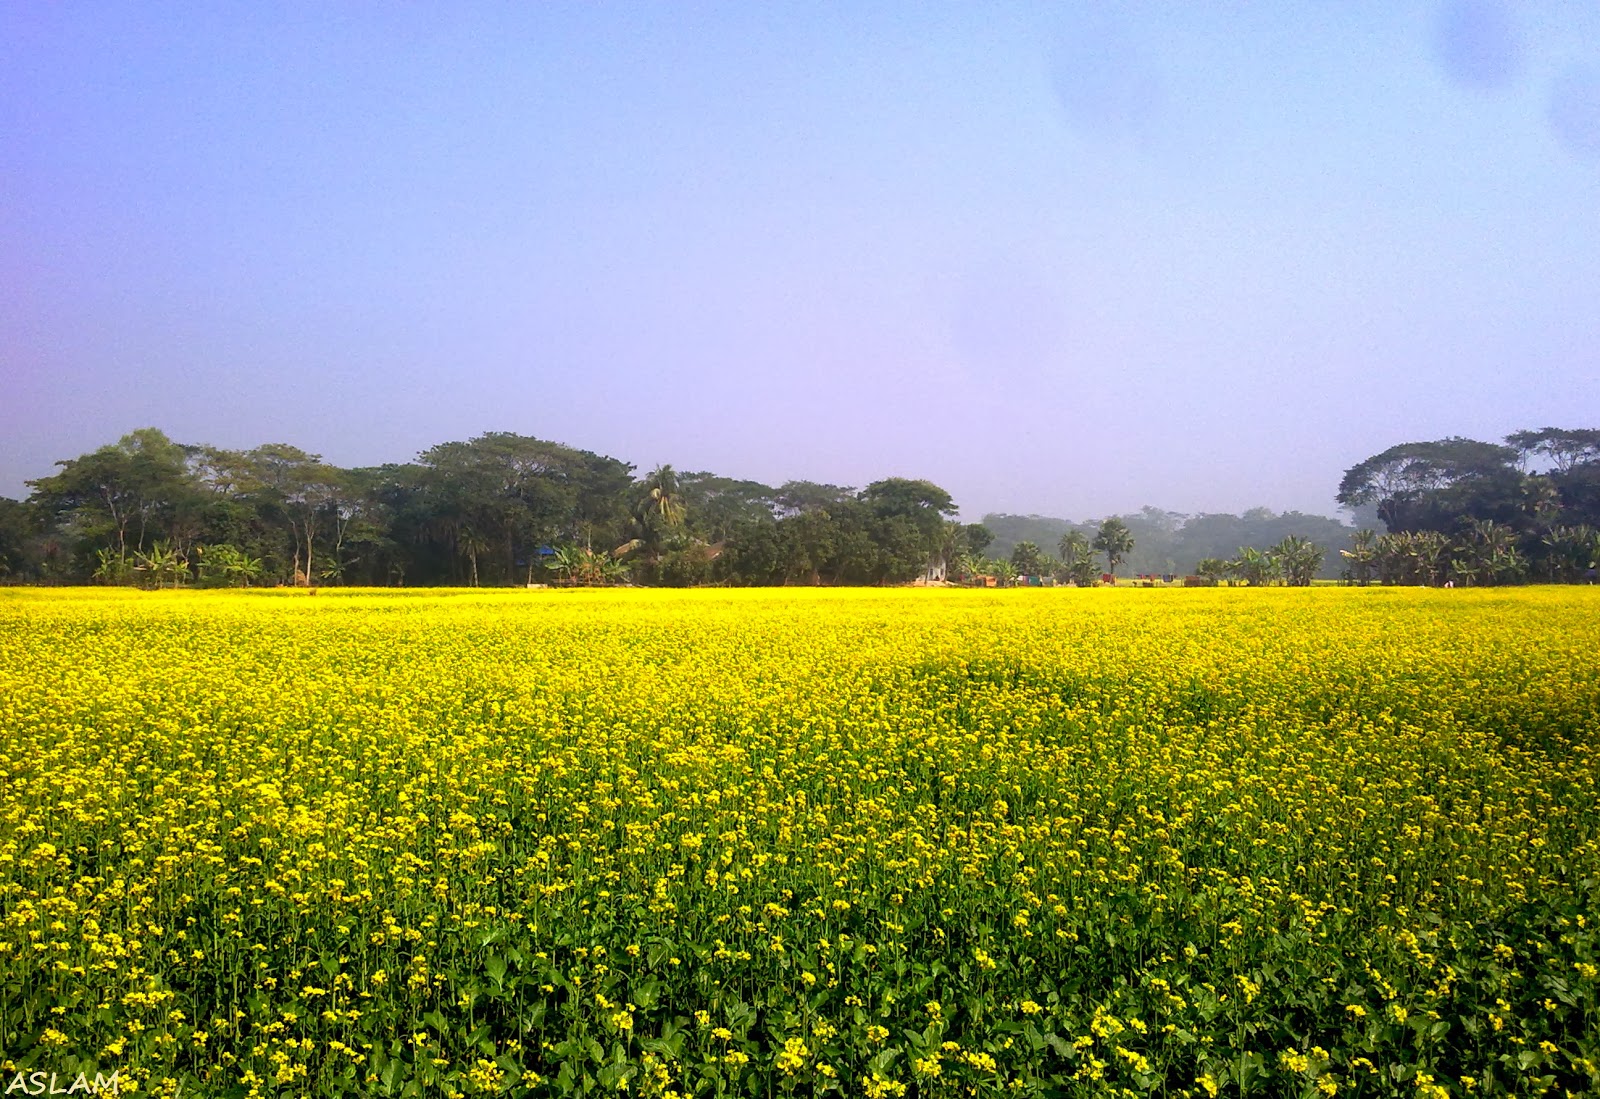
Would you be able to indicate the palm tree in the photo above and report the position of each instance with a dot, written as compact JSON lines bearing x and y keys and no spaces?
{"x":663,"y":497}
{"x":1028,"y":559}
{"x":658,"y":515}
{"x":952,"y":548}
{"x":1115,"y":540}
{"x":473,"y":544}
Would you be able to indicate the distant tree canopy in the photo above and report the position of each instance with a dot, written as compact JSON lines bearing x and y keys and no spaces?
{"x":1166,"y":542}
{"x":1416,"y":486}
{"x":504,"y":508}
{"x":1452,"y":510}
{"x":1462,"y":510}
{"x":1536,"y":479}
{"x":497,"y":509}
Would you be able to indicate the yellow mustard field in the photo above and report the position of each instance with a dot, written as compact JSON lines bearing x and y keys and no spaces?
{"x":768,"y":843}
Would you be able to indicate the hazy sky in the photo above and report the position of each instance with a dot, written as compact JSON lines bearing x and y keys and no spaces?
{"x":1062,"y":258}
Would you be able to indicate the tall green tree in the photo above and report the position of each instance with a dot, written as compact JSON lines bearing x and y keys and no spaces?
{"x":1564,"y":449}
{"x":662,"y":497}
{"x":717,"y":506}
{"x":16,"y":532}
{"x":924,"y":503}
{"x":905,"y":520}
{"x":1424,"y":486}
{"x":121,"y":495}
{"x":658,"y":521}
{"x":1115,"y":540}
{"x":294,"y":488}
{"x":795,"y":497}
{"x":493,"y":501}
{"x":1077,"y":559}
{"x":1028,"y":559}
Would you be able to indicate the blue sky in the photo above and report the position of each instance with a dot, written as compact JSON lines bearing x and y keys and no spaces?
{"x":1068,"y":259}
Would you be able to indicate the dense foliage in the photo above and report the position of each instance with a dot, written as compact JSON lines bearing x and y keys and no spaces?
{"x":499,"y":509}
{"x":1460,"y":509}
{"x":505,"y":509}
{"x":882,"y":843}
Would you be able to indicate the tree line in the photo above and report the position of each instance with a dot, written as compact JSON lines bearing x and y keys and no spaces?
{"x":1462,"y":511}
{"x":498,"y":509}
{"x":1294,"y":560}
{"x":1172,"y":543}
{"x":505,"y":509}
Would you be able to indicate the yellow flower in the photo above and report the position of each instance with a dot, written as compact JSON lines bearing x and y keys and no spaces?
{"x":362,"y":800}
{"x":792,"y":1057}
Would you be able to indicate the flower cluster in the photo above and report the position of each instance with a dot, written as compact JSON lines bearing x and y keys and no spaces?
{"x":881,"y":842}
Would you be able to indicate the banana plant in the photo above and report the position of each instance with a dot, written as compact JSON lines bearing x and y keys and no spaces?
{"x":1255,"y":567}
{"x":160,"y":564}
{"x":1493,"y":549}
{"x":1300,"y":558}
{"x":578,"y":565}
{"x":1362,"y":557}
{"x":111,"y":567}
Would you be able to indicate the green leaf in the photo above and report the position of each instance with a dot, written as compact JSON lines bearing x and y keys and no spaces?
{"x":496,"y":968}
{"x":612,"y":1075}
